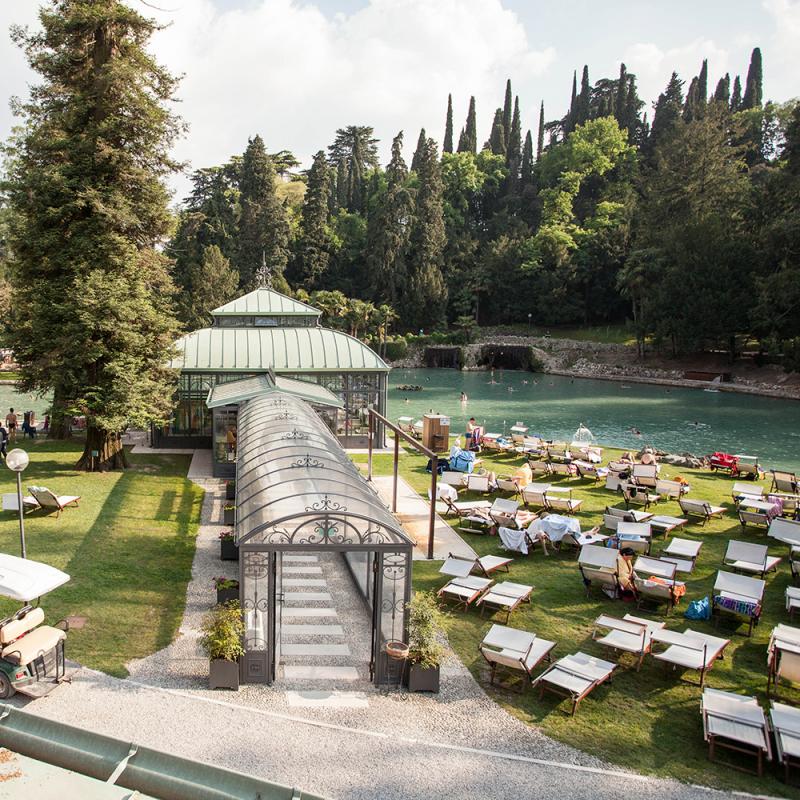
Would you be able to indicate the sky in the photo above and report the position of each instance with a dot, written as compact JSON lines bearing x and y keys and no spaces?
{"x":296,"y":70}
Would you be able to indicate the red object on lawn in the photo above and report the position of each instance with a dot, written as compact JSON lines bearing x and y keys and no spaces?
{"x":724,"y":461}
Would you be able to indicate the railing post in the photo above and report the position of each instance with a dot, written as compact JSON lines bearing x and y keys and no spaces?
{"x":396,"y":468}
{"x":432,"y":522}
{"x":369,"y":443}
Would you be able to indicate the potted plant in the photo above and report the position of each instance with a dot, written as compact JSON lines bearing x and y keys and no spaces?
{"x":426,"y":650}
{"x":229,"y":515}
{"x":228,"y":549}
{"x":230,"y":490}
{"x":223,"y":629}
{"x":227,"y":589}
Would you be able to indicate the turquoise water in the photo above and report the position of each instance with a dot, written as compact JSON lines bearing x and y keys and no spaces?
{"x":21,"y":402}
{"x":554,"y":406}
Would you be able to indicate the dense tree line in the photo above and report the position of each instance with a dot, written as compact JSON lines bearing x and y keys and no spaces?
{"x":681,"y":219}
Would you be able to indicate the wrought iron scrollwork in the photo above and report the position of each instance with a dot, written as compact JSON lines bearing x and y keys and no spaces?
{"x":325,"y":529}
{"x":295,"y":434}
{"x":326,"y":504}
{"x":285,"y":415}
{"x":308,"y":461}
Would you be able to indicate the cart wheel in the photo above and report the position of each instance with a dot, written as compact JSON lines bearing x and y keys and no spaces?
{"x":6,"y":689}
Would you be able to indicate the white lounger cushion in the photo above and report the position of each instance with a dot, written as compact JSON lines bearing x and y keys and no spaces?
{"x":785,"y":530}
{"x":786,"y":724}
{"x":735,"y":717}
{"x":593,"y":555}
{"x":687,"y":649}
{"x":739,"y":587}
{"x":493,"y":562}
{"x":631,"y":634}
{"x":577,"y":673}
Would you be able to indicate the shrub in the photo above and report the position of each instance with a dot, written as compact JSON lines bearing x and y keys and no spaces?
{"x":425,"y":627}
{"x":396,"y":350}
{"x":223,"y":629}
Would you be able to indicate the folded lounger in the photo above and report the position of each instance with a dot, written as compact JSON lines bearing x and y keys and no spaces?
{"x":517,"y":652}
{"x":505,"y":596}
{"x":783,"y":656}
{"x":575,"y":677}
{"x":792,"y":600}
{"x":483,"y":564}
{"x":785,"y":723}
{"x":738,"y":595}
{"x":736,"y":723}
{"x":749,"y":557}
{"x":689,"y":650}
{"x":464,"y":588}
{"x":628,"y":635}
{"x":700,"y":509}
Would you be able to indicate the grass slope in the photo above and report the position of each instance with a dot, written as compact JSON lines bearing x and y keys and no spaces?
{"x":128,"y":548}
{"x":648,"y":721}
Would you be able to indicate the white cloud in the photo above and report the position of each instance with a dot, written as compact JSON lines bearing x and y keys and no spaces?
{"x":293,"y":74}
{"x":781,"y":73}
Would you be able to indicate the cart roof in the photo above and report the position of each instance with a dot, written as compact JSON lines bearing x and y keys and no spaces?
{"x":23,"y":579}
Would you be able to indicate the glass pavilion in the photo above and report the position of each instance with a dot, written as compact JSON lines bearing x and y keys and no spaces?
{"x":297,"y":491}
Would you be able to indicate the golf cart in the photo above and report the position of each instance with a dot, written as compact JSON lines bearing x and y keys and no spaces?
{"x":31,"y":654}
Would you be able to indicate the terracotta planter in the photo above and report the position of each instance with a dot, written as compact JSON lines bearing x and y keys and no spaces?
{"x":224,"y":595}
{"x":228,"y":550}
{"x":423,"y":679}
{"x":223,"y":674}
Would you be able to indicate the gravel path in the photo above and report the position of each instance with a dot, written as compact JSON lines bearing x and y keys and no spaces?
{"x":458,"y":744}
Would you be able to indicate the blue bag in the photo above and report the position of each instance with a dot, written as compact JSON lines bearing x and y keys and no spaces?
{"x":698,"y":609}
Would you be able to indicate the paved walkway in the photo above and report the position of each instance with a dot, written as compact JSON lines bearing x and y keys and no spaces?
{"x":351,"y":743}
{"x":414,"y":515}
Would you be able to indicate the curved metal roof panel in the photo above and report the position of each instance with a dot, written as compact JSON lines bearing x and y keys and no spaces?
{"x":280,"y":349}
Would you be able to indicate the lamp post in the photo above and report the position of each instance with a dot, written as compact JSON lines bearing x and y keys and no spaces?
{"x":16,"y":461}
{"x":529,"y":322}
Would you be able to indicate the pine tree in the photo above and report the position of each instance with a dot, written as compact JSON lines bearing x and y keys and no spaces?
{"x":355,"y":180}
{"x":668,"y":111}
{"x":526,"y":172}
{"x":342,"y":184}
{"x":540,"y":135}
{"x":621,"y":96}
{"x":722,"y":94}
{"x":419,"y":153}
{"x":448,"y":127}
{"x":358,"y":148}
{"x":736,"y":95}
{"x":207,"y":283}
{"x":507,"y":106}
{"x":470,"y":135}
{"x":497,"y":138}
{"x":263,"y":225}
{"x":91,"y":292}
{"x":584,"y":99}
{"x":426,"y":305}
{"x":388,"y":231}
{"x":702,"y":84}
{"x":313,"y":243}
{"x":754,"y":85}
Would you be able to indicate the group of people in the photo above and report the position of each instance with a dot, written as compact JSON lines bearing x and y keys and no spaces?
{"x":8,"y":429}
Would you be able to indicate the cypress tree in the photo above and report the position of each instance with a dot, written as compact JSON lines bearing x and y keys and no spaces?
{"x":540,"y":135}
{"x":514,"y":151}
{"x":448,"y":127}
{"x":753,"y":87}
{"x":355,"y":177}
{"x":668,"y":111}
{"x":426,"y":304}
{"x":507,"y":106}
{"x":702,"y":84}
{"x":692,"y":100}
{"x":570,"y":121}
{"x":497,"y":138}
{"x":526,"y":173}
{"x":736,"y":94}
{"x":312,"y":247}
{"x":91,"y":293}
{"x":263,"y":226}
{"x":471,"y":129}
{"x":722,"y":94}
{"x":621,"y":96}
{"x":463,"y":143}
{"x":419,"y":153}
{"x":584,"y":98}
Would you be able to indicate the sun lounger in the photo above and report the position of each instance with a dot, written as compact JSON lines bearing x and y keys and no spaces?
{"x":533,"y":494}
{"x":466,"y":507}
{"x":783,"y":656}
{"x":578,"y":540}
{"x":759,"y":517}
{"x":509,"y":484}
{"x":541,"y":468}
{"x":598,"y":565}
{"x":558,"y":499}
{"x":51,"y":502}
{"x":589,"y":471}
{"x":486,"y":565}
{"x":645,"y":475}
{"x":689,"y":650}
{"x":464,"y":588}
{"x":794,"y":562}
{"x":629,"y":634}
{"x":750,"y":490}
{"x":700,"y":509}
{"x":785,"y":724}
{"x":738,"y":595}
{"x":749,"y":557}
{"x":11,"y":502}
{"x":655,"y":582}
{"x":683,"y":553}
{"x":503,"y":512}
{"x":671,"y":490}
{"x":575,"y":677}
{"x":478,"y":483}
{"x":663,"y":523}
{"x":636,"y":495}
{"x":635,"y":535}
{"x":792,"y":597}
{"x":517,"y":652}
{"x":736,"y":723}
{"x":624,"y":514}
{"x":784,"y":482}
{"x":451,"y":478}
{"x":564,"y":470}
{"x":785,"y":530}
{"x":505,"y":596}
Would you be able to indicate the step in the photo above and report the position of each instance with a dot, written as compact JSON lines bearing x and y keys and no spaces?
{"x":311,"y":630}
{"x":315,"y":672}
{"x":303,"y":649}
{"x":305,"y":582}
{"x":310,"y":570}
{"x":300,"y":559}
{"x":316,"y":596}
{"x":321,"y":699}
{"x":299,"y":611}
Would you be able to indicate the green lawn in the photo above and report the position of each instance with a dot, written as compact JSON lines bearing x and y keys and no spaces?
{"x":128,"y":548}
{"x":648,"y":721}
